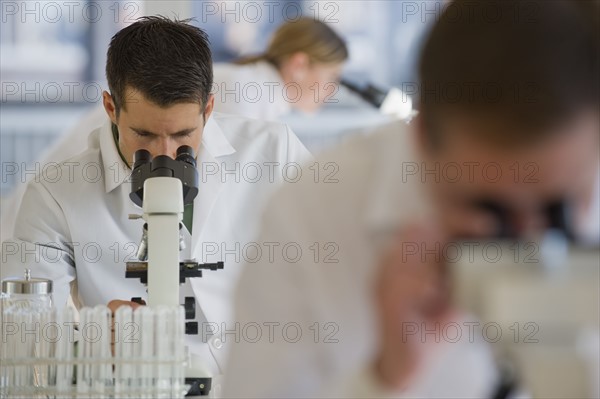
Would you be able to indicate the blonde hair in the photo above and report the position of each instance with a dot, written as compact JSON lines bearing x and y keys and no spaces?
{"x":306,"y":35}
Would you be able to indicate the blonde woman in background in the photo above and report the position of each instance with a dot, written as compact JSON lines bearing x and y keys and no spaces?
{"x":299,"y":70}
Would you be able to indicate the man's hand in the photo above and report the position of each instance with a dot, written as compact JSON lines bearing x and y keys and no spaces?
{"x":411,"y":290}
{"x":117,"y":303}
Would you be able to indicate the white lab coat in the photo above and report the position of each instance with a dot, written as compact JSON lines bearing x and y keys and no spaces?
{"x":71,"y":143}
{"x":254,"y":90}
{"x":331,"y":291}
{"x":74,"y":219}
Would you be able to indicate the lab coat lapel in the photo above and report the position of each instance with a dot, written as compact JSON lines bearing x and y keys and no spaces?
{"x":116,"y":172}
{"x":214,"y":150}
{"x":210,"y":187}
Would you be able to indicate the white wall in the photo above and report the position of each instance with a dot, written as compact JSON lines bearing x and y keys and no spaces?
{"x":181,"y":9}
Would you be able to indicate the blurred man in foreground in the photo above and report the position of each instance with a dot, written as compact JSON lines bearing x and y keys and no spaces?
{"x":509,"y":120}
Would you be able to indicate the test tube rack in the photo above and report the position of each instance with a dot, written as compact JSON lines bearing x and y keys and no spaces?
{"x":135,"y":353}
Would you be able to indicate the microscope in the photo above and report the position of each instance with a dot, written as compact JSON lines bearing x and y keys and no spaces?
{"x":393,"y":102}
{"x":161,"y":186}
{"x":537,"y":301}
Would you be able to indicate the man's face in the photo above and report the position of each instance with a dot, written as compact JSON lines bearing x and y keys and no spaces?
{"x":145,"y":125}
{"x":522,"y":179}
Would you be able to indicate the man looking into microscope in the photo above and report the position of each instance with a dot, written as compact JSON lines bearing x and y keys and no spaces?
{"x":73,"y":224}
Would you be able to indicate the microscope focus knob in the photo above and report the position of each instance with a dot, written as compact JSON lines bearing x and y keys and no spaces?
{"x":138,"y":300}
{"x":190,"y":307}
{"x":191,"y":328}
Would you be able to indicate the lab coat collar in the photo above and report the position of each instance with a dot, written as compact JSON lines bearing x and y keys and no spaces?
{"x":214,"y":140}
{"x":116,"y":172}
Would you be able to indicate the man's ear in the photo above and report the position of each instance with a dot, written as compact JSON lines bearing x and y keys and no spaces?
{"x":109,"y":106}
{"x":210,"y":106}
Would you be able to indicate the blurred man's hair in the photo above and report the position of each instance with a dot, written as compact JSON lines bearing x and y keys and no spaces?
{"x":530,"y":65}
{"x":167,"y":61}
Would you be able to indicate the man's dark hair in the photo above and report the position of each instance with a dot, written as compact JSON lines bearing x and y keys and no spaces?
{"x":167,"y":61}
{"x":527,"y":64}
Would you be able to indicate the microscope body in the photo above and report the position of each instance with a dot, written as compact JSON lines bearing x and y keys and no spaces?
{"x":163,"y":213}
{"x":162,"y":186}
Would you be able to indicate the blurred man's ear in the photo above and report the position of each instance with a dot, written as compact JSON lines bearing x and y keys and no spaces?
{"x":109,"y":106}
{"x":210,"y":106}
{"x":424,"y":138}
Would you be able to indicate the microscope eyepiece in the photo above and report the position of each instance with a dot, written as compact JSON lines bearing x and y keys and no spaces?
{"x":185,"y":153}
{"x":182,"y":167}
{"x":141,"y":157}
{"x":556,"y":214}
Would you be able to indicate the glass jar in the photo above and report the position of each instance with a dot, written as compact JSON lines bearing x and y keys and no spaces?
{"x":26,"y":309}
{"x":26,"y":294}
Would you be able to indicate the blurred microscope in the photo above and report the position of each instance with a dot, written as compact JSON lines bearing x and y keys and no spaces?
{"x":538,"y":303}
{"x":393,"y":102}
